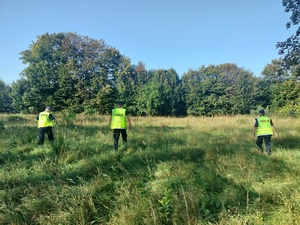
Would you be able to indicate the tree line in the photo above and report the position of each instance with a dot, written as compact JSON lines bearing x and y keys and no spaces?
{"x":73,"y":72}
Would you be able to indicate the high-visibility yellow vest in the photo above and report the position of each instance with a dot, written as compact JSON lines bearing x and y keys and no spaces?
{"x":264,"y":126}
{"x":44,"y":120}
{"x":118,"y":119}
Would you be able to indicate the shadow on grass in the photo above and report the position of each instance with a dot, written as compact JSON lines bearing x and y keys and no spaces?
{"x":289,"y":142}
{"x":216,"y":192}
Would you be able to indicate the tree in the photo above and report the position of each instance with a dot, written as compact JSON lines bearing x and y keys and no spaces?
{"x":159,"y":95}
{"x":286,"y":96}
{"x":126,"y":84}
{"x":151,"y":101}
{"x":19,"y":87}
{"x":261,"y":93}
{"x":290,"y":48}
{"x":275,"y":71}
{"x":71,"y":71}
{"x":219,"y":90}
{"x":5,"y":98}
{"x":283,"y":88}
{"x":139,"y":77}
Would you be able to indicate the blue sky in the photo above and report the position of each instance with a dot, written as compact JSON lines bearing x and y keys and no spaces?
{"x":163,"y":34}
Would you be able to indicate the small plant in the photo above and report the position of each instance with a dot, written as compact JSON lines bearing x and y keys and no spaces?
{"x":166,"y":206}
{"x":210,"y":207}
{"x":67,"y":118}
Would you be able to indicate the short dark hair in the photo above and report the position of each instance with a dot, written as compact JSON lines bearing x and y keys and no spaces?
{"x":261,"y":111}
{"x":120,"y":103}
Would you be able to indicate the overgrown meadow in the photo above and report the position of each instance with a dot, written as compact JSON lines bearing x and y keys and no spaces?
{"x":193,"y":170}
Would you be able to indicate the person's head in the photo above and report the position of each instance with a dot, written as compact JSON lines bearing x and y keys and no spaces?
{"x":48,"y":108}
{"x":261,"y":112}
{"x":120,"y":104}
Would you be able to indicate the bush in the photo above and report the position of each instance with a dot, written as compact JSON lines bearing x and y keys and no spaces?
{"x":90,"y":111}
{"x":289,"y":110}
{"x":67,"y":118}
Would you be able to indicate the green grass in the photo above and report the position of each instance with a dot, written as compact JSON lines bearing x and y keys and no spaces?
{"x":171,"y":171}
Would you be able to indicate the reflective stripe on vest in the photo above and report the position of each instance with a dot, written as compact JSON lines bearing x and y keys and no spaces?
{"x":44,"y":120}
{"x":264,"y":126}
{"x":118,"y":119}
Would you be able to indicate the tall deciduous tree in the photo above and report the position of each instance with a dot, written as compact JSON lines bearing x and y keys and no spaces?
{"x":67,"y":70}
{"x":283,"y":89}
{"x":275,"y":71}
{"x":219,"y":90}
{"x":290,"y":48}
{"x":159,"y":95}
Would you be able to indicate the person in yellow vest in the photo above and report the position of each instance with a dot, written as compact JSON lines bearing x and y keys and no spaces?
{"x":45,"y":123}
{"x":264,"y":129}
{"x":118,"y":123}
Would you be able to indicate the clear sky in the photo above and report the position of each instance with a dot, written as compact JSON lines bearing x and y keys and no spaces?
{"x":163,"y":34}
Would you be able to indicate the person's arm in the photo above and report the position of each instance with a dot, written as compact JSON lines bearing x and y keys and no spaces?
{"x":254,"y":131}
{"x":51,"y":117}
{"x":255,"y":128}
{"x":274,"y":129}
{"x":37,"y":117}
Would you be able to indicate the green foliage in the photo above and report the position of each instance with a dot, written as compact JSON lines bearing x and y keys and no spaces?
{"x":133,"y":87}
{"x":74,"y":72}
{"x":69,"y":71}
{"x":5,"y":98}
{"x":210,"y":206}
{"x":151,"y":99}
{"x":90,"y":111}
{"x":291,"y":110}
{"x":290,"y":48}
{"x":67,"y":118}
{"x":160,"y":95}
{"x":19,"y":87}
{"x":275,"y":72}
{"x":219,"y":90}
{"x":105,"y":100}
{"x":166,"y":206}
{"x":285,"y":94}
{"x":283,"y":89}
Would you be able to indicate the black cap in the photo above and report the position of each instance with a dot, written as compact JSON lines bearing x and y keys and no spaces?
{"x":120,"y":103}
{"x":261,"y":111}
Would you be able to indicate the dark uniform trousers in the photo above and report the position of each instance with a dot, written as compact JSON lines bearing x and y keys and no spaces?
{"x":43,"y":131}
{"x":116,"y":136}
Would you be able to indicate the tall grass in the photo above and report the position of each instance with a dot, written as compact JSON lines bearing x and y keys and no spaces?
{"x":193,"y":170}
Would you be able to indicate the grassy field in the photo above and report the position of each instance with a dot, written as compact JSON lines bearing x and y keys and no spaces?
{"x":180,"y":171}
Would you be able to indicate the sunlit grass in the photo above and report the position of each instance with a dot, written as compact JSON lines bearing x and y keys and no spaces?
{"x":192,"y":170}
